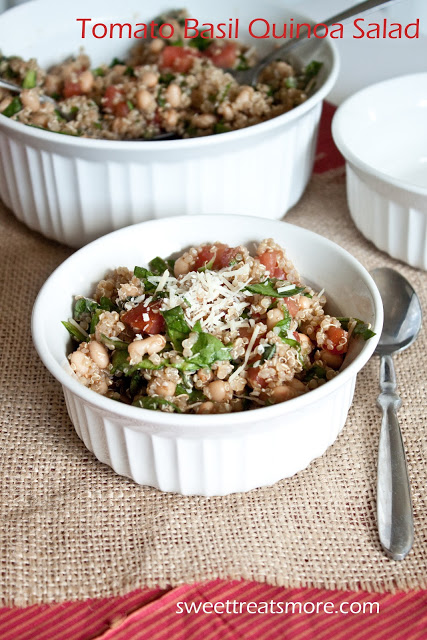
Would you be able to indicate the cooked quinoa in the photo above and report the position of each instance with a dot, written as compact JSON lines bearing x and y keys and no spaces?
{"x":178,"y":86}
{"x":216,"y":331}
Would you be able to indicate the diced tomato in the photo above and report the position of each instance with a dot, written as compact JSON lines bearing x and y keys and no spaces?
{"x":177,"y":59}
{"x":254,"y":379}
{"x":222,"y":252}
{"x":270,"y":259}
{"x":222,"y":55}
{"x":336,"y":336}
{"x":137,"y":319}
{"x":296,"y":336}
{"x":71,"y":89}
{"x":113,"y":103}
{"x":246,"y":332}
{"x":121,"y":109}
{"x":293,"y":307}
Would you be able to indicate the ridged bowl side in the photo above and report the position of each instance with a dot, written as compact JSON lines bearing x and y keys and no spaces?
{"x":74,"y":199}
{"x":398,"y":229}
{"x":212,"y":465}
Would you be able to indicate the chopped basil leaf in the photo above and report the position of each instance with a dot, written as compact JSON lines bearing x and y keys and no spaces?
{"x":292,"y":343}
{"x":291,"y":82}
{"x":119,"y":361}
{"x":194,"y":395}
{"x":154,"y":402}
{"x":114,"y":342}
{"x":177,"y":43}
{"x":94,"y":320}
{"x":99,"y":71}
{"x":166,"y":78}
{"x":136,"y":384}
{"x":268,"y":352}
{"x":107,"y":304}
{"x":283,"y":325}
{"x":225,"y":92}
{"x":176,"y":326}
{"x":207,"y":266}
{"x":312,"y":69}
{"x":243,"y":63}
{"x":74,"y":331}
{"x":83,"y":306}
{"x":200,"y":43}
{"x":158,"y":266}
{"x":267,"y":288}
{"x":116,"y":61}
{"x":14,"y":107}
{"x":59,"y":115}
{"x":207,"y":349}
{"x":30,"y":80}
{"x":129,"y":72}
{"x":143,"y":274}
{"x":361,"y":328}
{"x":219,"y":127}
{"x":315,"y":372}
{"x":130,"y":105}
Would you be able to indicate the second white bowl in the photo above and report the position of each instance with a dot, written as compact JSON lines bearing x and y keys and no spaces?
{"x":382,"y":133}
{"x":74,"y":189}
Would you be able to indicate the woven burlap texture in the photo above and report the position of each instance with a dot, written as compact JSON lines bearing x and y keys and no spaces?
{"x":73,"y":529}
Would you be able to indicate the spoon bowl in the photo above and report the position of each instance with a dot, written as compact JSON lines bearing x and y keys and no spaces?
{"x":402,"y":311}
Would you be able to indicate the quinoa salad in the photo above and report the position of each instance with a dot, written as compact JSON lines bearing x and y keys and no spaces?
{"x":178,"y":86}
{"x":216,"y":331}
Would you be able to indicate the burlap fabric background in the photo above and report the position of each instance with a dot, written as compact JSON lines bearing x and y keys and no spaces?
{"x":72,"y":529}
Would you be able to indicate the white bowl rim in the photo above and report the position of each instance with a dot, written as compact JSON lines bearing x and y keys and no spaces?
{"x":339,"y":130}
{"x":186,"y":143}
{"x":136,"y":415}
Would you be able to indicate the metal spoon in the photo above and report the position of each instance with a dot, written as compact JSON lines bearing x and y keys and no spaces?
{"x":402,"y":323}
{"x":11,"y":86}
{"x":250,"y":76}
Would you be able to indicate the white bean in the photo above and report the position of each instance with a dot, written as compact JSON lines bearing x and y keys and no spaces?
{"x":139,"y":348}
{"x":173,"y":95}
{"x":81,"y":362}
{"x":333,"y":360}
{"x":166,"y":388}
{"x":181,"y":267}
{"x":273,"y":317}
{"x":145,"y":101}
{"x":206,"y":407}
{"x":99,"y":354}
{"x":86,"y":81}
{"x":30,"y":99}
{"x":149,"y":78}
{"x":218,"y":391}
{"x":203,"y":120}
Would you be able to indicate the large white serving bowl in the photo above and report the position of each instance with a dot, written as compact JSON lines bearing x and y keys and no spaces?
{"x":207,"y":454}
{"x":382,"y":133}
{"x":74,"y":189}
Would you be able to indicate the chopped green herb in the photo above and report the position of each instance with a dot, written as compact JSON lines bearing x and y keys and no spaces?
{"x":55,"y":96}
{"x":207,"y":266}
{"x":74,"y":111}
{"x":315,"y":371}
{"x":84,"y":306}
{"x":116,"y":61}
{"x":267,"y":288}
{"x":225,"y":92}
{"x":194,"y":395}
{"x":99,"y":71}
{"x":177,"y":43}
{"x":243,"y":63}
{"x":361,"y":328}
{"x":14,"y":107}
{"x":166,"y":78}
{"x":291,"y":83}
{"x":176,"y":326}
{"x":219,"y":127}
{"x":130,"y":105}
{"x":312,"y":69}
{"x":143,"y":274}
{"x":158,"y":266}
{"x":94,"y":321}
{"x":30,"y":80}
{"x":161,"y":101}
{"x":154,"y":402}
{"x":59,"y":115}
{"x":200,"y":43}
{"x":136,"y":384}
{"x":207,"y":349}
{"x":74,"y":331}
{"x":120,"y":361}
{"x":114,"y":342}
{"x":268,"y":352}
{"x":282,"y":327}
{"x":129,"y":72}
{"x":107,"y":304}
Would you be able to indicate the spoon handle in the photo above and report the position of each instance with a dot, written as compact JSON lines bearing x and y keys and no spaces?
{"x":394,"y":505}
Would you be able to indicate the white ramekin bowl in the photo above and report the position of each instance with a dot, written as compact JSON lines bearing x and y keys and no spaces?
{"x":207,"y":454}
{"x":74,"y":190}
{"x":382,"y":133}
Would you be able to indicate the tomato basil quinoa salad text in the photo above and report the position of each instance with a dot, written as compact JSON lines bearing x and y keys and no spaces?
{"x":215,"y":331}
{"x":178,"y":86}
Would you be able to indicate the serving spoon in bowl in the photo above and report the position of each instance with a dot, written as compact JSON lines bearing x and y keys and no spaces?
{"x":402,"y":323}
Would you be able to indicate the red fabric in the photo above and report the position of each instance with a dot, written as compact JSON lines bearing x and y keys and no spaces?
{"x":152,"y":614}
